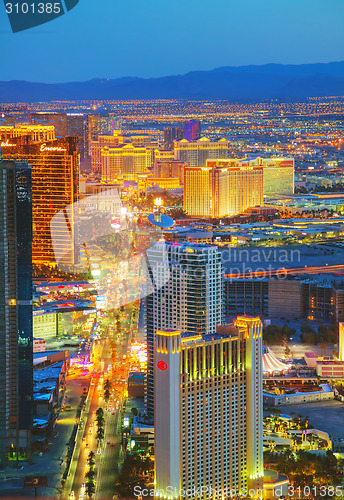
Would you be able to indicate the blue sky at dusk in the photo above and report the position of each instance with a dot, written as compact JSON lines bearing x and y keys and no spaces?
{"x":108,"y":38}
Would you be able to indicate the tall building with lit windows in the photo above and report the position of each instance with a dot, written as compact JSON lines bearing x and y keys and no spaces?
{"x":58,"y":120}
{"x":208,"y":412}
{"x":125,"y":158}
{"x":76,"y":128}
{"x":278,"y":175}
{"x":96,"y":147}
{"x":91,"y":133}
{"x":16,"y":364}
{"x":172,"y":134}
{"x":222,"y":188}
{"x":55,"y":187}
{"x":169,"y":169}
{"x":196,"y":153}
{"x":186,"y":294}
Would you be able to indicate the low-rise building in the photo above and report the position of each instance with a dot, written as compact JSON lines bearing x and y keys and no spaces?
{"x":39,"y":345}
{"x":330,"y":369}
{"x":136,"y":384}
{"x":275,"y":485}
{"x":296,"y":397}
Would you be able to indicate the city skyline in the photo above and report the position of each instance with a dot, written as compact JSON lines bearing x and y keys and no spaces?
{"x":289,"y":36}
{"x":162,"y":245}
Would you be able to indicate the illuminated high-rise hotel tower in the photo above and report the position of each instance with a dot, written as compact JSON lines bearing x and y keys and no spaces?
{"x":208,"y":412}
{"x":55,"y":187}
{"x":222,"y":188}
{"x":196,"y":153}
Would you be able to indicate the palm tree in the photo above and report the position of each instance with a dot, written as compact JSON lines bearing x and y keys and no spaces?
{"x":90,"y":459}
{"x":100,"y":433}
{"x":100,"y":412}
{"x":100,"y":421}
{"x":107,"y":395}
{"x":90,"y":475}
{"x":107,"y":384}
{"x":90,"y":488}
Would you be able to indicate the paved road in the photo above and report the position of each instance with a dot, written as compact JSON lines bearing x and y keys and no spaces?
{"x":108,"y":455}
{"x":52,"y":463}
{"x":87,"y":436}
{"x":110,"y":458}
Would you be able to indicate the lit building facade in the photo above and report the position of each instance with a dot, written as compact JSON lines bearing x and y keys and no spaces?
{"x":55,"y":186}
{"x":168,"y":169}
{"x":209,"y":412}
{"x":279,"y":174}
{"x":187,"y":294}
{"x":58,"y":120}
{"x":196,"y":153}
{"x":35,"y":133}
{"x":16,"y":366}
{"x":96,"y":147}
{"x":341,"y":341}
{"x":127,"y":159}
{"x":163,"y":154}
{"x":108,"y":124}
{"x":91,"y":131}
{"x":46,"y":325}
{"x":222,"y":189}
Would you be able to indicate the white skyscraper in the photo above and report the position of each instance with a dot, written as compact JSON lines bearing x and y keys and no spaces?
{"x":187,"y":295}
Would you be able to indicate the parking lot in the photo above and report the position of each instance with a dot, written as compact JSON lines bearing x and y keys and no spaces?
{"x":326,"y":416}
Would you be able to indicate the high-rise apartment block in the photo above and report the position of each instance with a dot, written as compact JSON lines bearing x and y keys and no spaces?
{"x":196,"y":153}
{"x":55,"y":187}
{"x":16,"y":364}
{"x":125,"y":158}
{"x":222,"y":189}
{"x":209,"y":412}
{"x":186,"y":294}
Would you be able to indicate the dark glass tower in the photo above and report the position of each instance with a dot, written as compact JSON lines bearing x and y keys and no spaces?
{"x":172,"y":134}
{"x":192,"y":130}
{"x":16,"y":364}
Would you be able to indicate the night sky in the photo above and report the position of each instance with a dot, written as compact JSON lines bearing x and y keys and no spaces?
{"x":110,"y":39}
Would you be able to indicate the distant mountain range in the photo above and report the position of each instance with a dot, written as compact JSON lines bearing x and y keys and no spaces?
{"x":243,"y":84}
